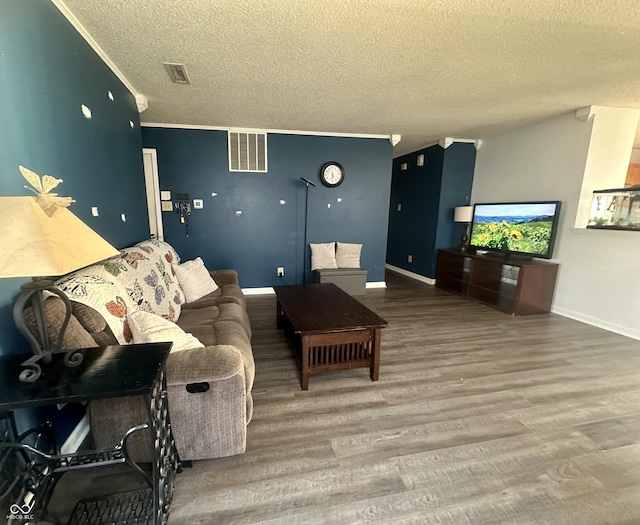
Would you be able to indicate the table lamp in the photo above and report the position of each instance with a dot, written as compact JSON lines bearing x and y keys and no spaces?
{"x":42,"y":239}
{"x":463,"y":214}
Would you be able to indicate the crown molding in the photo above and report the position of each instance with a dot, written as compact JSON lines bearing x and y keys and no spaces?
{"x":264,"y":130}
{"x":444,"y":143}
{"x":141,"y":102}
{"x":395,"y":139}
{"x":447,"y":141}
{"x":586,"y":114}
{"x":66,"y":12}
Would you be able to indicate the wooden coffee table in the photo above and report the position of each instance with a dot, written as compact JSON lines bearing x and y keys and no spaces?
{"x":330,"y":329}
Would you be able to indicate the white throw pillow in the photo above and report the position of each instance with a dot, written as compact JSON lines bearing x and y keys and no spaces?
{"x":195,"y":280}
{"x":323,"y":255}
{"x":151,"y":328}
{"x":348,"y":255}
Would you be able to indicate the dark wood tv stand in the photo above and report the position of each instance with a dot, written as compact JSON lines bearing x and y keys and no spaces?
{"x":515,"y":286}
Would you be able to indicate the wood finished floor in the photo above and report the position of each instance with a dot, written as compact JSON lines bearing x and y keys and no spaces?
{"x":478,"y":418}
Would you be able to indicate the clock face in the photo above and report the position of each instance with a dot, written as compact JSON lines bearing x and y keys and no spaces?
{"x":332,"y":174}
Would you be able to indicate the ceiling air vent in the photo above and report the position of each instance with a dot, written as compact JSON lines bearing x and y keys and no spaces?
{"x":247,"y":151}
{"x":177,"y":72}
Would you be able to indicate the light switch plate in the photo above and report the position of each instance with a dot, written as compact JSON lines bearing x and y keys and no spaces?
{"x":198,"y":204}
{"x":167,"y":206}
{"x":165,"y":195}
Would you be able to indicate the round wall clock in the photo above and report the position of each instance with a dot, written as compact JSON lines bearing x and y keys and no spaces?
{"x":332,"y":174}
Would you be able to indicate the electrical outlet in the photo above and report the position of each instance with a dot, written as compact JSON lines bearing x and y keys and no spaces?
{"x":410,"y":258}
{"x":280,"y":271}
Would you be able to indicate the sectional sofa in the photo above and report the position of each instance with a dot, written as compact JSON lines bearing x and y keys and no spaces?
{"x":137,"y":297}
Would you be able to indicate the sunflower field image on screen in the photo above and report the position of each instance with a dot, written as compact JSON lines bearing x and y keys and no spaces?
{"x":524,"y":228}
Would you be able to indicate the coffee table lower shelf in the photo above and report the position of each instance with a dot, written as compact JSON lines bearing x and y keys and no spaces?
{"x":328,"y":351}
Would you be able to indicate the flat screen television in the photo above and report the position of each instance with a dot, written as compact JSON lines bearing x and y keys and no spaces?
{"x":515,"y":229}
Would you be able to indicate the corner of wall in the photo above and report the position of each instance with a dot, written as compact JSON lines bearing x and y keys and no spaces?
{"x":610,"y":147}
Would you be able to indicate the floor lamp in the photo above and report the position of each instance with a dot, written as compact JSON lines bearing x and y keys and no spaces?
{"x":306,"y":211}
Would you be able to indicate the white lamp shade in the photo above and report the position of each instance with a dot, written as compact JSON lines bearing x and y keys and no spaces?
{"x":35,"y":244}
{"x":463,"y":214}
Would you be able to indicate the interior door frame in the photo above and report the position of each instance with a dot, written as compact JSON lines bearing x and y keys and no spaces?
{"x":152,"y":185}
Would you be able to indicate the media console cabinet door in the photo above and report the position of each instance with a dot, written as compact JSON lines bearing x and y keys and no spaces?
{"x":535,"y":288}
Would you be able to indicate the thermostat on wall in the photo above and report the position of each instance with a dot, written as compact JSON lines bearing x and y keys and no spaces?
{"x":197,"y":204}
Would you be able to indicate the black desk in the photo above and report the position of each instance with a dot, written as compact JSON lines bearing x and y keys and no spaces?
{"x":114,"y":371}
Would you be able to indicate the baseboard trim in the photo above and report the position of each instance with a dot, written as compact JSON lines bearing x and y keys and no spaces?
{"x":407,"y":273}
{"x":593,"y":321}
{"x":77,"y":436}
{"x":268,"y":290}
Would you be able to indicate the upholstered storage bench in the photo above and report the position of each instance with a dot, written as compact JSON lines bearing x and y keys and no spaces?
{"x":351,"y":280}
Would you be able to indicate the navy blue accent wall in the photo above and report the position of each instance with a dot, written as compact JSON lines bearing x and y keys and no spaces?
{"x":457,"y":179}
{"x":427,"y":195}
{"x":417,"y":191}
{"x":255,"y":223}
{"x":47,"y":72}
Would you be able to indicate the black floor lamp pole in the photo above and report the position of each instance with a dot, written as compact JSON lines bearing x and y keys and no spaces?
{"x":306,"y":210}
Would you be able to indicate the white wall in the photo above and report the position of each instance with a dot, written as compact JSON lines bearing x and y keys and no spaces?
{"x":612,"y":136}
{"x":597,"y":280}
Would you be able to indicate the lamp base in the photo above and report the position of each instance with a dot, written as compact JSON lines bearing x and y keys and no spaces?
{"x":465,"y":239}
{"x":33,"y":295}
{"x":32,"y":370}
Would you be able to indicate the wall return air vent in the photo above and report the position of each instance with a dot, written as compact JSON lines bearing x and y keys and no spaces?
{"x":247,"y":151}
{"x":177,"y":72}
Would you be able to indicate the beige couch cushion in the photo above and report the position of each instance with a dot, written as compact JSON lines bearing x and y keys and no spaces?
{"x":75,"y":336}
{"x":91,"y":320}
{"x":214,"y":313}
{"x":225,"y":324}
{"x":227,"y":293}
{"x":94,"y":323}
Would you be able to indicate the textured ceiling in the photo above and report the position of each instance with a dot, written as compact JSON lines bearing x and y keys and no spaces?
{"x":422,"y":69}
